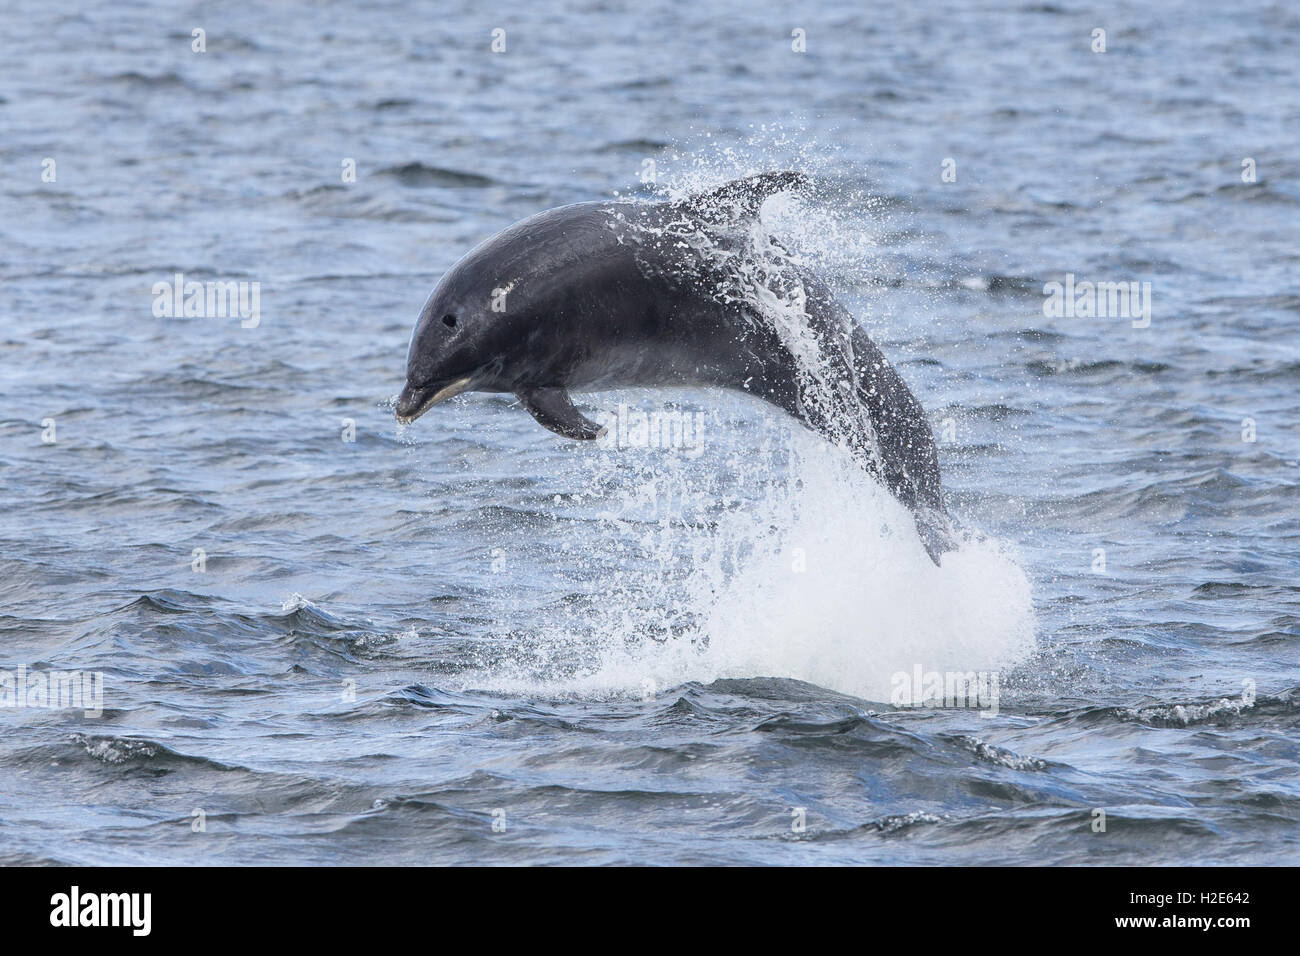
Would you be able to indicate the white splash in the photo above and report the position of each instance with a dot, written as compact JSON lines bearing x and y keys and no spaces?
{"x":817,"y":575}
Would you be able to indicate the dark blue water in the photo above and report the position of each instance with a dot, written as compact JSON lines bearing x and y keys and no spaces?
{"x":317,"y":650}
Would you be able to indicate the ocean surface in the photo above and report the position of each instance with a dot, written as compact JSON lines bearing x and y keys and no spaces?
{"x":326,"y":639}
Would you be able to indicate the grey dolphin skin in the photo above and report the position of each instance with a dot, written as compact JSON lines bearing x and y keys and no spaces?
{"x":606,"y":295}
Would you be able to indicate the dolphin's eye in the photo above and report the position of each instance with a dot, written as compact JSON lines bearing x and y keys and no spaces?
{"x":449,"y":321}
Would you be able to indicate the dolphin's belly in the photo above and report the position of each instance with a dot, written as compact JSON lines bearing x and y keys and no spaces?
{"x":695,"y":347}
{"x":647,"y":366}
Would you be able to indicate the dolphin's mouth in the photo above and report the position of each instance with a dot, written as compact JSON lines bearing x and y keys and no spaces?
{"x":415,"y":400}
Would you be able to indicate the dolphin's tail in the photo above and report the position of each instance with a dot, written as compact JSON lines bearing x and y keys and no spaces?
{"x":937,"y":531}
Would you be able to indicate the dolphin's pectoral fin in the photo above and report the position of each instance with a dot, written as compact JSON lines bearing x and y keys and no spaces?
{"x":553,"y":409}
{"x":745,"y":196}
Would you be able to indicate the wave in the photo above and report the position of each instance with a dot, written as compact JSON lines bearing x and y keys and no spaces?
{"x":420,"y":176}
{"x":1218,"y":711}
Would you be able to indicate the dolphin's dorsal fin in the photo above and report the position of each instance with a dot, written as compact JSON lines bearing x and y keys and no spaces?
{"x":553,"y":409}
{"x":744,"y":197}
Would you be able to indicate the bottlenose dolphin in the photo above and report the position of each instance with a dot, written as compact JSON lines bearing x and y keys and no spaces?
{"x":603,"y":295}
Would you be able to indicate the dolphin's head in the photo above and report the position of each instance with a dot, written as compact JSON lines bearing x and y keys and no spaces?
{"x":459,"y":344}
